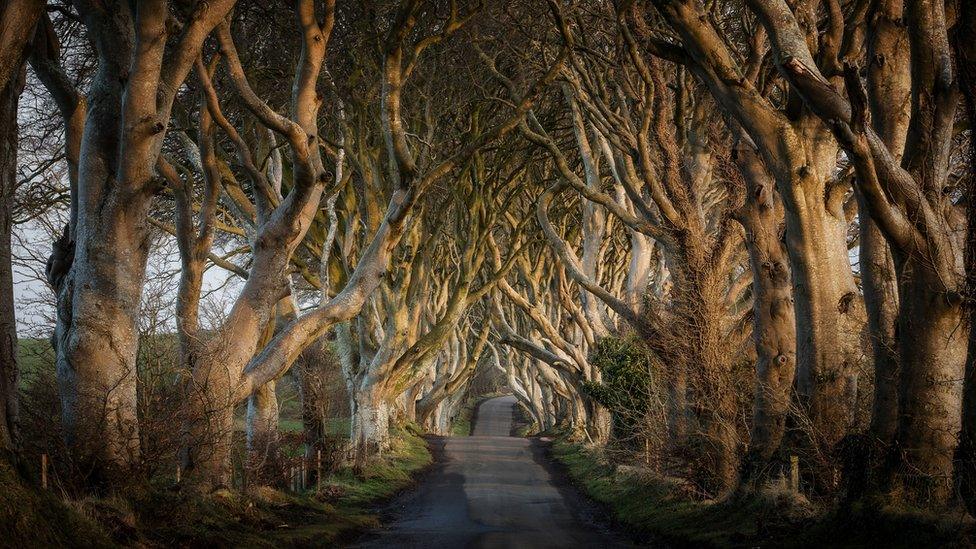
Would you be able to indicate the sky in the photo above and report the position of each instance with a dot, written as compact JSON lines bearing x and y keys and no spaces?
{"x":33,"y":297}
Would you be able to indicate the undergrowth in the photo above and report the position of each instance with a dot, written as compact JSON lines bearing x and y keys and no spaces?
{"x":661,"y":510}
{"x":161,"y":515}
{"x":31,"y":518}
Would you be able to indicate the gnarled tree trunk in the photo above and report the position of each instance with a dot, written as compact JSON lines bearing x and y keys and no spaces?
{"x":370,"y":429}
{"x":929,"y":392}
{"x":774,"y":328}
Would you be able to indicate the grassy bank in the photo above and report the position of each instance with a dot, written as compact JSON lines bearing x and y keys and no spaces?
{"x":318,"y":518}
{"x":163,"y":516}
{"x":657,"y":509}
{"x":32,"y":518}
{"x":463,"y":424}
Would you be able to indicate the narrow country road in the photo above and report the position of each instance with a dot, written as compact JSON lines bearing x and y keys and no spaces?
{"x":490,"y":490}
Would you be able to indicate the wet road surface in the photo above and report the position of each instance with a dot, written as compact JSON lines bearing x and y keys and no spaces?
{"x":490,"y":490}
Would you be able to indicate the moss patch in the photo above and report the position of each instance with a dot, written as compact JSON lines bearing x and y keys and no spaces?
{"x":462,"y":425}
{"x":384,"y":476}
{"x":659,"y":509}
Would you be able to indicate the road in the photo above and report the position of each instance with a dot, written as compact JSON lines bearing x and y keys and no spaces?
{"x":490,"y":490}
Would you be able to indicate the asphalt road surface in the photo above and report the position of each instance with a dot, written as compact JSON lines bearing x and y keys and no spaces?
{"x":490,"y":490}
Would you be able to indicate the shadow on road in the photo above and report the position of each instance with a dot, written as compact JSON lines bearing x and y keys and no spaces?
{"x":491,"y":490}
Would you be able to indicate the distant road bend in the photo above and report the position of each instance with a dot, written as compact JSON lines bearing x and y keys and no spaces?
{"x":490,"y":490}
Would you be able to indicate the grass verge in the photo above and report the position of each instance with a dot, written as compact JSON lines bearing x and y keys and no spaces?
{"x":163,"y":516}
{"x":657,"y":509}
{"x":463,"y":424}
{"x":31,"y":518}
{"x":318,"y":518}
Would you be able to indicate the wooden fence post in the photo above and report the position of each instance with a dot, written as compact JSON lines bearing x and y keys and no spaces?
{"x":318,"y":470}
{"x":795,"y":474}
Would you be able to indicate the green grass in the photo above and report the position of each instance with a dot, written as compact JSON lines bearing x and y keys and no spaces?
{"x":32,"y":518}
{"x":659,"y":509}
{"x":160,"y":516}
{"x":34,"y":355}
{"x":270,"y":518}
{"x":338,"y":426}
{"x":383,"y":477}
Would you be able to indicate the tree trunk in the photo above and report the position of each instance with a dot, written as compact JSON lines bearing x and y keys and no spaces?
{"x":801,"y":155}
{"x":598,"y":421}
{"x":774,"y":324}
{"x":701,"y":352}
{"x":828,"y":328}
{"x":97,"y":331}
{"x":881,"y":302}
{"x":97,"y":343}
{"x":313,"y":419}
{"x":677,"y":405}
{"x":715,"y":404}
{"x":9,"y":373}
{"x":209,"y":426}
{"x":889,"y":92}
{"x":594,"y":229}
{"x":639,"y":270}
{"x":932,"y":362}
{"x":370,"y":429}
{"x":262,"y":430}
{"x":965,"y":47}
{"x":864,"y":464}
{"x":105,"y":254}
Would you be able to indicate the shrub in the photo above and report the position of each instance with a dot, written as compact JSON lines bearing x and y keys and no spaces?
{"x":627,"y":386}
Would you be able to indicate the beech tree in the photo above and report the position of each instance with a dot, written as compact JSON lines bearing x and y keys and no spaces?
{"x":912,"y":204}
{"x":752,"y":208}
{"x":114,"y":138}
{"x":17,"y":23}
{"x":799,"y":152}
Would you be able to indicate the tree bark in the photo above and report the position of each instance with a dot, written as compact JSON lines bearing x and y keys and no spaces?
{"x":929,"y":390}
{"x":97,"y":268}
{"x":370,"y":429}
{"x":209,"y":426}
{"x":801,"y":157}
{"x":909,"y":201}
{"x":17,"y":20}
{"x":829,"y":317}
{"x":261,"y":424}
{"x":881,"y":302}
{"x":9,"y":372}
{"x":965,"y":48}
{"x":774,"y":324}
{"x":889,"y":95}
{"x":17,"y":23}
